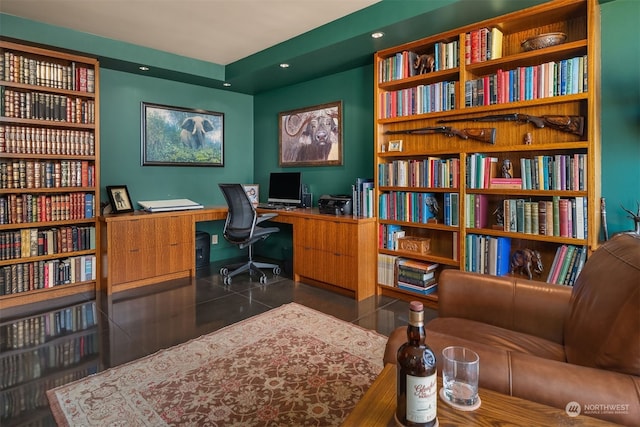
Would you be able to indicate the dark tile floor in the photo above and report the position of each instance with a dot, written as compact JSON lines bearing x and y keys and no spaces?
{"x":136,"y":323}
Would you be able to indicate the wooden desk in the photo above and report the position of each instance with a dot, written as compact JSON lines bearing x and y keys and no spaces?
{"x":333,"y":252}
{"x":141,"y":248}
{"x":378,"y":406}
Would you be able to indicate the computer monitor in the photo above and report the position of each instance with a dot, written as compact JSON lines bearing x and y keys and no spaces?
{"x":285,"y":188}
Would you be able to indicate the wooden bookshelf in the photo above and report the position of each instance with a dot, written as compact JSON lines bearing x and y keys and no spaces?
{"x":559,"y":80}
{"x":49,"y":174}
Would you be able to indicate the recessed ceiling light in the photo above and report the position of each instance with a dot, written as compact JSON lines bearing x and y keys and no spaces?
{"x":226,"y":84}
{"x":377,"y":35}
{"x":284,"y":65}
{"x":143,"y":68}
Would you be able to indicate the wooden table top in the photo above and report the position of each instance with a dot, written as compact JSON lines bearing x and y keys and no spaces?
{"x":378,"y":406}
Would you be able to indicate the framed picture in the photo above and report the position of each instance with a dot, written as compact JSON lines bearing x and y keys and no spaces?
{"x":311,"y":136}
{"x":395,"y":145}
{"x":174,"y":136}
{"x":253,"y":191}
{"x":119,"y":198}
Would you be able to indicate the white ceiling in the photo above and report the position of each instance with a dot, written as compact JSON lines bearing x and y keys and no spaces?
{"x":218,"y":31}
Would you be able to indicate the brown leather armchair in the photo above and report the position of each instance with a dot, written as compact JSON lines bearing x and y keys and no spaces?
{"x":548,"y":343}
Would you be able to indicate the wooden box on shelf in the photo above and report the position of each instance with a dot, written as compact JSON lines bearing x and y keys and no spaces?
{"x":541,"y":106}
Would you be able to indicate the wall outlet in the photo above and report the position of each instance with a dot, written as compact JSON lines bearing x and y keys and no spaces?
{"x":214,"y":239}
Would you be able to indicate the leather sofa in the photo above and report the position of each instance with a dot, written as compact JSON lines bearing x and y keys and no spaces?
{"x":548,"y":343}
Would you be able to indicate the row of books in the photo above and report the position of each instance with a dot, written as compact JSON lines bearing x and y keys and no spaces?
{"x":43,"y":140}
{"x":25,"y":277}
{"x":405,"y":64}
{"x":565,"y":172}
{"x":28,"y":208}
{"x":563,"y":217}
{"x":488,"y":254}
{"x":31,"y":242}
{"x":363,"y":198}
{"x":432,"y":172}
{"x":46,"y":106}
{"x":37,"y":330}
{"x":565,"y":77}
{"x":408,"y":206}
{"x":388,"y":236}
{"x":421,"y":99}
{"x":482,"y":45}
{"x":32,"y":396}
{"x":18,"y":68}
{"x":567,"y":264}
{"x":47,"y":174}
{"x":22,"y":367}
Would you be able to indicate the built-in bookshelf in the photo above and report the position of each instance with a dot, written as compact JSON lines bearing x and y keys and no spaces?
{"x":49,"y":149}
{"x":491,"y":150}
{"x":42,"y":352}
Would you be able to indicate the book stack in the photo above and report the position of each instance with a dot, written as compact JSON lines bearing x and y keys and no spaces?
{"x":386,"y":269}
{"x":389,"y":235}
{"x":433,"y":172}
{"x":482,"y":45}
{"x":408,"y":206}
{"x":416,"y":276}
{"x":567,"y":264}
{"x":422,"y":99}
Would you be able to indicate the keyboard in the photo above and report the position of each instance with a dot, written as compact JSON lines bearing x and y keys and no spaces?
{"x":268,"y":206}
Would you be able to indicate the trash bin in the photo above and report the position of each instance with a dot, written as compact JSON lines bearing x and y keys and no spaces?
{"x":287,"y":260}
{"x":202,"y":249}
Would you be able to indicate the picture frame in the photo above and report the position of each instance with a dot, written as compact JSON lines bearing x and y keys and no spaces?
{"x":119,"y":199}
{"x":395,"y":145}
{"x":311,"y":136}
{"x":253,"y":192}
{"x":176,"y":136}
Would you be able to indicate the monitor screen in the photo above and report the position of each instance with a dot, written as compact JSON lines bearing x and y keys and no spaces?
{"x":285,"y":187}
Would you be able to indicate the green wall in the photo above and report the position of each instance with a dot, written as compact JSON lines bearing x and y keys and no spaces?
{"x":620,"y":110}
{"x":354,"y":89}
{"x":120,"y":123}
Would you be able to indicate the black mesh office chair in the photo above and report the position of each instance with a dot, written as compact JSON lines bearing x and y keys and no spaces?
{"x":241,"y":228}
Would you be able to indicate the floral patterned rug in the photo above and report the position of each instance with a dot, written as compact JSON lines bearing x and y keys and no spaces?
{"x":290,"y":366}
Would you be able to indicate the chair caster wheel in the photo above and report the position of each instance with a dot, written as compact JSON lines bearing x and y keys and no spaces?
{"x":263,"y":279}
{"x":277,"y":271}
{"x":227,"y":280}
{"x":224,"y":271}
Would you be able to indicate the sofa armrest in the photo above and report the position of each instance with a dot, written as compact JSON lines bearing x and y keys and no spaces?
{"x":526,"y":306}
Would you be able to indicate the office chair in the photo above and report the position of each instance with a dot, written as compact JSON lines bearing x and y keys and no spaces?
{"x":241,"y":228}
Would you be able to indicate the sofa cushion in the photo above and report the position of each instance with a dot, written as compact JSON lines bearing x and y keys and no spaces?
{"x":497,"y":337}
{"x":603,"y":326}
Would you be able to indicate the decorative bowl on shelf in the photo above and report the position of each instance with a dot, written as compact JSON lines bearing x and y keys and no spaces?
{"x":543,"y":40}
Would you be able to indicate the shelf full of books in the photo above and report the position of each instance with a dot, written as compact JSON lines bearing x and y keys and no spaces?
{"x":42,"y":352}
{"x":49,"y":169}
{"x":501,"y":173}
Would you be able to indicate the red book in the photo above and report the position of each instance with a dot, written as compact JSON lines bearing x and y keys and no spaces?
{"x":481,"y":207}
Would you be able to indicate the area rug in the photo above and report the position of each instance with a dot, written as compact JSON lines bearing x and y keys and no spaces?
{"x":290,"y":366}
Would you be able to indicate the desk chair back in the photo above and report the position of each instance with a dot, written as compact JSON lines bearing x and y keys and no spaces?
{"x":241,"y":218}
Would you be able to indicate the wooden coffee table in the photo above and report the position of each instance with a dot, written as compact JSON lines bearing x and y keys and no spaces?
{"x":378,"y":406}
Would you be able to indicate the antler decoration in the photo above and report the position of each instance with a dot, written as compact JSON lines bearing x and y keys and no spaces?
{"x":634,"y":216}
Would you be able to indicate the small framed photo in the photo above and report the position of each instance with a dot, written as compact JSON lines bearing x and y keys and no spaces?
{"x":253,"y":192}
{"x":119,"y":198}
{"x":395,"y":145}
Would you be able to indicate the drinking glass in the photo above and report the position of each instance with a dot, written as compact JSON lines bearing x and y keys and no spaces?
{"x":460,"y":371}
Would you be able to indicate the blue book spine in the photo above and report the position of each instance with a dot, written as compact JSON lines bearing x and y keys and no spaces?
{"x":88,"y":206}
{"x":504,"y":256}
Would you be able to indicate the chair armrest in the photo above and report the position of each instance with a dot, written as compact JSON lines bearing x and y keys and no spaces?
{"x":527,"y":306}
{"x":265,"y":217}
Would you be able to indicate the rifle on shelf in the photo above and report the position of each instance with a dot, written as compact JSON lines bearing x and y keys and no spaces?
{"x":569,"y":124}
{"x":487,"y":135}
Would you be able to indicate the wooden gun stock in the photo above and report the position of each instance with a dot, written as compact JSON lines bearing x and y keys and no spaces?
{"x":487,"y":135}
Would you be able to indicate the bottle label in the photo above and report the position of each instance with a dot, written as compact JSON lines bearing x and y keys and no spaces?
{"x":421,"y":398}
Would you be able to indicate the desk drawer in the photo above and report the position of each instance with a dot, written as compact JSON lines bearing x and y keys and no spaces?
{"x":328,"y":267}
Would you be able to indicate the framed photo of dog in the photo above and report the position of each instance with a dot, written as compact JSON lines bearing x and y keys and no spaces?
{"x":311,"y":136}
{"x":176,"y":136}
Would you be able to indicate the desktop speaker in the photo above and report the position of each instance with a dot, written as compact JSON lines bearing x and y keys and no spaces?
{"x":307,"y":200}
